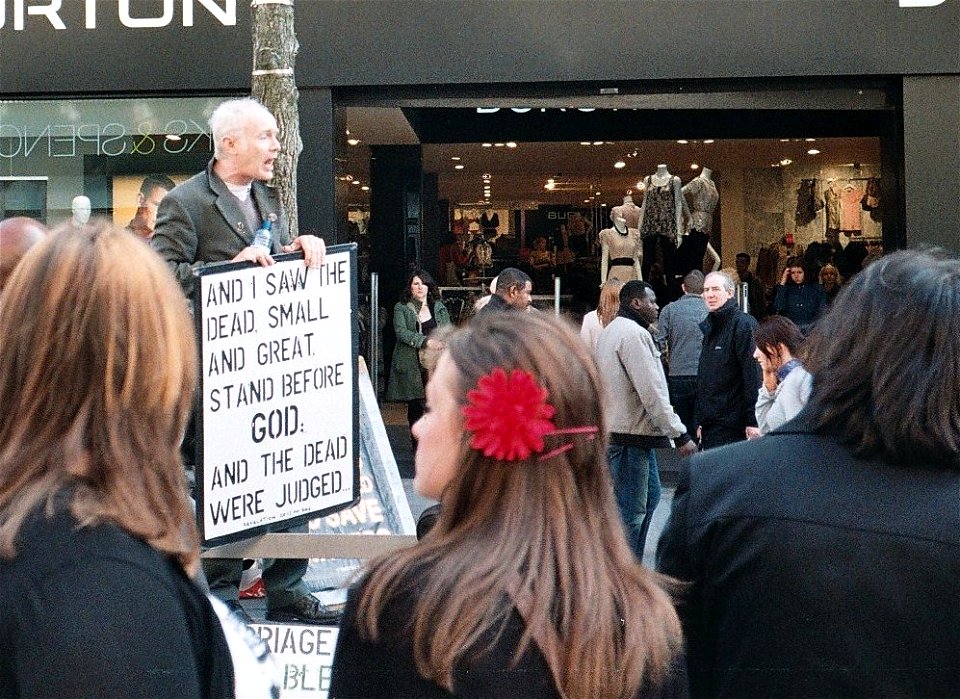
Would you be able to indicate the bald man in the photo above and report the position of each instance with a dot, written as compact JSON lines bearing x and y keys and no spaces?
{"x":17,"y":235}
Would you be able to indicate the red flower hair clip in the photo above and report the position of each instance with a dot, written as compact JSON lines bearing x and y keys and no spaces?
{"x":509,"y":416}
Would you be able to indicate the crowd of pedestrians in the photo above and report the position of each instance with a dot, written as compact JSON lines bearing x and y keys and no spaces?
{"x":812,"y":548}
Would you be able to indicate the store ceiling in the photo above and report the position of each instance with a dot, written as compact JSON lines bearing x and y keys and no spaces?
{"x":584,"y":166}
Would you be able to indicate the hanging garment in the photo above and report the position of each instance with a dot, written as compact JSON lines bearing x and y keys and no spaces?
{"x":831,"y":196}
{"x":850,"y":198}
{"x":807,"y":202}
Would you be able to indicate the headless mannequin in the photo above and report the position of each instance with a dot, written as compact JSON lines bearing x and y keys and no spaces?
{"x":672,"y":225}
{"x":80,"y":206}
{"x":621,"y":253}
{"x":628,"y":211}
{"x":701,"y":195}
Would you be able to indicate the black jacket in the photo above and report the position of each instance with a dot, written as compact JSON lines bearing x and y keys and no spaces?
{"x":815,"y":573}
{"x":728,"y":378}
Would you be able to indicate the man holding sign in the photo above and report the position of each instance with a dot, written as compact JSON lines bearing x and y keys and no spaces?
{"x":228,"y":214}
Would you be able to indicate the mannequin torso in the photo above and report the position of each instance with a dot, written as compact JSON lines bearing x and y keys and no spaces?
{"x":702,"y":196}
{"x":620,"y":252}
{"x":628,"y":211}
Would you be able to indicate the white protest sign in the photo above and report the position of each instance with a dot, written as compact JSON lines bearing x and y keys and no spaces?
{"x":306,"y":655}
{"x":277,"y":437}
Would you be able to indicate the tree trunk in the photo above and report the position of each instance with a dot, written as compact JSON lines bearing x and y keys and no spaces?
{"x":275,"y":49}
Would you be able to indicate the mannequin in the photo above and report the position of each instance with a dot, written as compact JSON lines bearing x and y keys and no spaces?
{"x":627,"y":211}
{"x":701,"y":195}
{"x":81,"y":210}
{"x":663,"y":205}
{"x":661,"y":222}
{"x":620,"y":252}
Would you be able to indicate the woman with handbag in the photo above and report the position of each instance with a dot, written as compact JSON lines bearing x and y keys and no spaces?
{"x":526,"y":586}
{"x":418,"y":313}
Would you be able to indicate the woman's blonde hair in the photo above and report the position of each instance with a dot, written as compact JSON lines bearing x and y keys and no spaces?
{"x":97,"y":370}
{"x":609,"y":304}
{"x":543,"y":537}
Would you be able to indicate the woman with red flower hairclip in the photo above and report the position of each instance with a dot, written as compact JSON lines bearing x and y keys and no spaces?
{"x":526,"y":585}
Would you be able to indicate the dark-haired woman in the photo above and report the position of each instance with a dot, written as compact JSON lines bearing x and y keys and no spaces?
{"x":526,"y":586}
{"x":786,"y":384}
{"x":799,"y":296}
{"x":417,"y":314}
{"x":823,"y":559}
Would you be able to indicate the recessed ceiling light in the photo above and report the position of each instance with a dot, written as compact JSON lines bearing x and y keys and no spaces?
{"x":454,"y":157}
{"x":786,"y":161}
{"x":694,"y":166}
{"x":488,"y":145}
{"x":813,"y":151}
{"x":708,"y":140}
{"x":357,"y":182}
{"x":511,"y":144}
{"x":598,"y":143}
{"x":499,"y":145}
{"x":683,"y":141}
{"x":784,"y":140}
{"x":486,"y":175}
{"x":619,"y":164}
{"x":809,"y":140}
{"x":458,"y":167}
{"x":586,"y":201}
{"x":353,"y":141}
{"x":365,"y":188}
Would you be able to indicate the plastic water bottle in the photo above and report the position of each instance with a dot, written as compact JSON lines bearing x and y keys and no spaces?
{"x":264,"y":234}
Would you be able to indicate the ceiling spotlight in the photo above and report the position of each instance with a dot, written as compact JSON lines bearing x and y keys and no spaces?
{"x":357,"y":182}
{"x":584,"y":143}
{"x":586,"y":201}
{"x":549,"y":185}
{"x":619,"y":164}
{"x":598,"y":143}
{"x":786,"y":161}
{"x":458,"y":167}
{"x":708,"y":140}
{"x":486,"y":175}
{"x":353,"y":141}
{"x":598,"y":194}
{"x":365,"y":188}
{"x":694,"y":166}
{"x":784,"y":140}
{"x":454,"y":157}
{"x":683,"y":141}
{"x":511,"y":144}
{"x":499,"y":145}
{"x":488,"y":145}
{"x":813,"y":151}
{"x":809,"y":140}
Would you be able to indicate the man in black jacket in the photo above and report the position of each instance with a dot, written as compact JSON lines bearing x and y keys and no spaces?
{"x":728,"y":377}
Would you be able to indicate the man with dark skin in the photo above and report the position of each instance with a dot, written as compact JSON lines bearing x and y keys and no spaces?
{"x":17,"y":235}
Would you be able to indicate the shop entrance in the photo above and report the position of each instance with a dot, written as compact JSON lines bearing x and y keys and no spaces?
{"x":463,"y":186}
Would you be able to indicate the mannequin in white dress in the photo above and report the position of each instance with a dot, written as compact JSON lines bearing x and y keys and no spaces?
{"x":620,"y":252}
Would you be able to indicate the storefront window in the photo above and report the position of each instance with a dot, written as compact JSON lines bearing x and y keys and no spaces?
{"x":104,"y":149}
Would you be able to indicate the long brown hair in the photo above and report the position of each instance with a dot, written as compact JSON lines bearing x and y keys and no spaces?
{"x":609,"y":304}
{"x":97,"y":369}
{"x":544,"y":536}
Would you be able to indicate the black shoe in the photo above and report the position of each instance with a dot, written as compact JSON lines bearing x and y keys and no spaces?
{"x":305,"y":610}
{"x":238,"y":611}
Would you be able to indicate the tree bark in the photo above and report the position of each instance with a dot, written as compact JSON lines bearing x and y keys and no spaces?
{"x":275,"y":49}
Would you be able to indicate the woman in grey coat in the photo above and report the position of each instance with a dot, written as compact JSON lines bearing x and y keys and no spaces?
{"x":418,"y":313}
